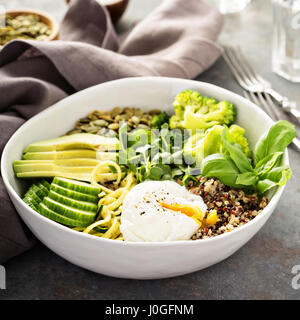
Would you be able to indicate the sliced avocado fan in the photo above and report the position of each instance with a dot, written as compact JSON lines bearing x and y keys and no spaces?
{"x":73,"y":157}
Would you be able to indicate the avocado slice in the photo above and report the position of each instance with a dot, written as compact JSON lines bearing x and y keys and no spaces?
{"x":72,"y":168}
{"x":34,"y":165}
{"x":71,"y":154}
{"x":52,"y":168}
{"x":53,"y":173}
{"x":60,"y":155}
{"x":75,"y":141}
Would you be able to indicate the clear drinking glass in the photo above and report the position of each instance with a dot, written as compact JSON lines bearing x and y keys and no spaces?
{"x":231,"y":6}
{"x":286,"y":39}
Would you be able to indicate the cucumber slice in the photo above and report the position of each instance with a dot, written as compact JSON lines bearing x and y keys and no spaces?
{"x":69,"y":212}
{"x":31,"y":202}
{"x":31,"y":194}
{"x":81,"y":205}
{"x":48,"y":213}
{"x":73,"y":194}
{"x":46,"y":184}
{"x":77,"y":186}
{"x":43,"y":188}
{"x":38,"y":191}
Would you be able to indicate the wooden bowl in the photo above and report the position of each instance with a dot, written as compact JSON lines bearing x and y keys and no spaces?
{"x":45,"y":18}
{"x":116,"y":8}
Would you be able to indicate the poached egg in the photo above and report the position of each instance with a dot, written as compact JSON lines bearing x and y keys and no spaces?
{"x":161,"y":211}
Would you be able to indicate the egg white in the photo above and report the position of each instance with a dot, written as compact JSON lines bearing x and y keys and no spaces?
{"x":143,"y":218}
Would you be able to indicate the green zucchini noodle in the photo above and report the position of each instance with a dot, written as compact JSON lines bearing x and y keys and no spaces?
{"x":102,"y":168}
{"x":107,"y":224}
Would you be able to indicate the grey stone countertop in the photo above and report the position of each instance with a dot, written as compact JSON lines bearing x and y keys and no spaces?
{"x":259,"y":270}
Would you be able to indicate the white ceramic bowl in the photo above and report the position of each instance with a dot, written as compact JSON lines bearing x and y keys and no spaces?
{"x":127,"y":259}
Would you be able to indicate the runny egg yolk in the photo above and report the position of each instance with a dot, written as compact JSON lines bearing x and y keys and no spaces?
{"x":212,"y":218}
{"x":193,"y":212}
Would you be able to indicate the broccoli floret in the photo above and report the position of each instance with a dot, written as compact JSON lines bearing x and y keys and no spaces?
{"x":193,"y":111}
{"x":159,"y":119}
{"x":186,"y":98}
{"x":201,"y":145}
{"x":237,"y":134}
{"x":175,"y":122}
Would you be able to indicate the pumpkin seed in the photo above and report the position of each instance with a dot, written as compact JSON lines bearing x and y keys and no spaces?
{"x":24,"y":26}
{"x":93,"y":131}
{"x":144,"y":121}
{"x":84,"y":120}
{"x":107,"y":123}
{"x":118,"y":118}
{"x":100,"y":123}
{"x":114,"y":126}
{"x":135,"y":120}
{"x":73,"y":132}
{"x":92,"y":128}
{"x":115,"y":111}
{"x":111,"y":134}
{"x":128,"y":111}
{"x":138,"y":112}
{"x":93,"y":117}
{"x":106,"y":117}
{"x":87,"y":127}
{"x":102,"y":131}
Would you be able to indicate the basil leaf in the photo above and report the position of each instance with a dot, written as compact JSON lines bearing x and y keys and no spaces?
{"x":280,"y":175}
{"x":236,"y":153}
{"x":221,"y":167}
{"x":267,"y":163}
{"x":246,"y":179}
{"x":265,"y":185}
{"x":277,"y":139}
{"x":275,"y":177}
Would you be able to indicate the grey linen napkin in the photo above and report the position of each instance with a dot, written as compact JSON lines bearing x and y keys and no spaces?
{"x":175,"y":40}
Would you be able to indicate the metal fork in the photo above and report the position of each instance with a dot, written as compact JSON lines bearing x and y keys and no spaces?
{"x":251,"y":81}
{"x":267,"y":104}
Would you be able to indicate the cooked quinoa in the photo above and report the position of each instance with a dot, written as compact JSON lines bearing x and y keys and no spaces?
{"x":234,"y":207}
